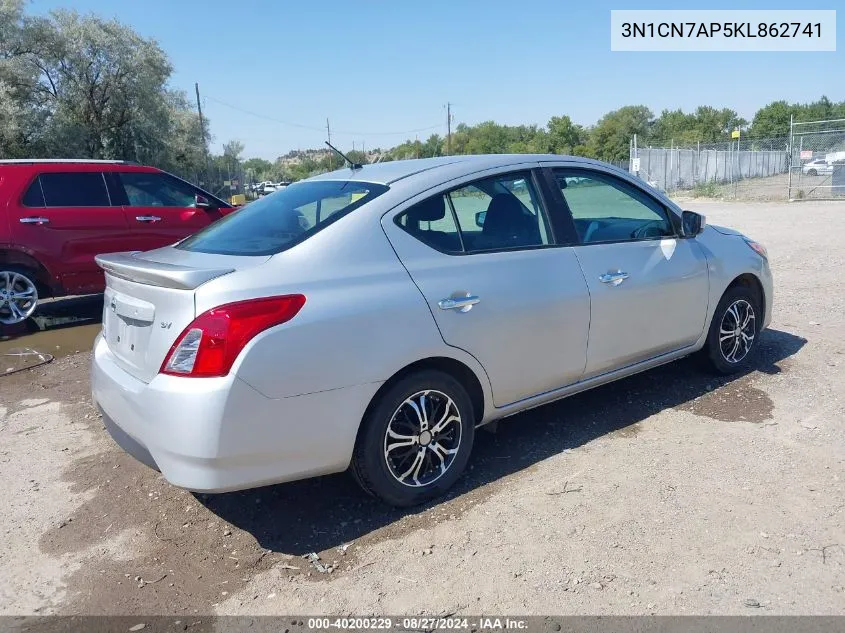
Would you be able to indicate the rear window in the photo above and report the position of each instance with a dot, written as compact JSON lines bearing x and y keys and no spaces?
{"x":282,"y":219}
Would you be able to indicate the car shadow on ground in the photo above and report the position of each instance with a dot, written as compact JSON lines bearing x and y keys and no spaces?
{"x":321,"y":513}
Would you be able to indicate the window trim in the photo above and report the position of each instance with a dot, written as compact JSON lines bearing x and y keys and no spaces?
{"x":531,"y":171}
{"x":625,"y":187}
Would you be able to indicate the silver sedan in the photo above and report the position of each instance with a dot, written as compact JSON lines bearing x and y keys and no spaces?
{"x":371,"y":319}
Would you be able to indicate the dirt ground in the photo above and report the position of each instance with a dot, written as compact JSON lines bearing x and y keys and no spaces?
{"x":768,"y":189}
{"x":672,"y":492}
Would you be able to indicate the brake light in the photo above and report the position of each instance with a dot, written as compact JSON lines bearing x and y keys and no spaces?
{"x":211,"y":342}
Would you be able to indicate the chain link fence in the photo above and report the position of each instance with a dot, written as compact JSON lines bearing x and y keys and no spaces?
{"x":817,"y":160}
{"x":742,"y":168}
{"x":223,"y":178}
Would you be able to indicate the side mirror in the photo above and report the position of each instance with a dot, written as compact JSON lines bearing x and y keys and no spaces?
{"x":479,"y":218}
{"x":201,"y":202}
{"x":693,"y":223}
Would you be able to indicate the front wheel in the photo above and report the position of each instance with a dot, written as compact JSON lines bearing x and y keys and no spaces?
{"x":734,"y":331}
{"x":18,"y":295}
{"x":812,"y":172}
{"x":416,"y":440}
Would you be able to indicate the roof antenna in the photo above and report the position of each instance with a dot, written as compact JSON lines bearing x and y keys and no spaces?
{"x":344,"y":157}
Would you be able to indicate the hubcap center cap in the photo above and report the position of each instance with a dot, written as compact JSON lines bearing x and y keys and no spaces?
{"x":425,"y":438}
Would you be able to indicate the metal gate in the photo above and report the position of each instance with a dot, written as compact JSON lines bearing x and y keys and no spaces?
{"x":817,"y":160}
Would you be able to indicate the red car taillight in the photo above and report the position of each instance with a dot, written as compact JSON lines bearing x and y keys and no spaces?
{"x":211,"y":342}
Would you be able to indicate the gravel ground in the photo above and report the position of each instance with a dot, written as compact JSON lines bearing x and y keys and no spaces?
{"x":672,"y":492}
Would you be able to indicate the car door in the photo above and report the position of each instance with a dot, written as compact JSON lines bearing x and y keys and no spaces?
{"x":162,"y":208}
{"x":648,"y":286}
{"x":483,"y":256}
{"x":64,"y":220}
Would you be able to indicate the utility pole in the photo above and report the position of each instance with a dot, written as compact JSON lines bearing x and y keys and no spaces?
{"x":448,"y":128}
{"x":329,"y":134}
{"x":202,"y":136}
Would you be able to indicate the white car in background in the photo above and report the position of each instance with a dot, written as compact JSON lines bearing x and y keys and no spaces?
{"x":817,"y":167}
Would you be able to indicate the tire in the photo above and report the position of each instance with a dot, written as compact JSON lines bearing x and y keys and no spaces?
{"x":735,"y":352}
{"x":18,"y":294}
{"x":812,"y":172}
{"x":408,"y":474}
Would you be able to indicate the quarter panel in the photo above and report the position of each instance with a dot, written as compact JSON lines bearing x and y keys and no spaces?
{"x":363,"y":320}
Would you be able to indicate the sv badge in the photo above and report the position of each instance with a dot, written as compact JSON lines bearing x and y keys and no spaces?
{"x":166,"y":326}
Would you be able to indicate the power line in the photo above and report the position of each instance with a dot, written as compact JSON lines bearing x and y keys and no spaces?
{"x":316,"y":128}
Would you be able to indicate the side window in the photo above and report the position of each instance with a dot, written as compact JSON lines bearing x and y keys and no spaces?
{"x":74,"y":189}
{"x":606,"y":209}
{"x":431,"y":222}
{"x":500,"y":212}
{"x":34,"y":197}
{"x":156,"y":190}
{"x":495,"y":213}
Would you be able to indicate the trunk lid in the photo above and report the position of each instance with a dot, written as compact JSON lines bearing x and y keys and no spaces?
{"x":149,"y":301}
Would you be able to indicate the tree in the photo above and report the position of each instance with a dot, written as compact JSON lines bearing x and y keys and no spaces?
{"x":258,"y":166}
{"x":609,"y":139}
{"x":80,"y":86}
{"x":564,"y":137}
{"x":233,"y":150}
{"x":772,"y":120}
{"x":713,"y":125}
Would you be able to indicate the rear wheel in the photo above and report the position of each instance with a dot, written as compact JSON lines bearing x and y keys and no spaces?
{"x":18,"y":294}
{"x":812,"y":172}
{"x":734,"y":331}
{"x":416,"y":441}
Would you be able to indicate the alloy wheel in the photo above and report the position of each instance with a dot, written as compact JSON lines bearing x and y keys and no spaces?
{"x":18,"y":297}
{"x":422,"y":438}
{"x":737,"y":331}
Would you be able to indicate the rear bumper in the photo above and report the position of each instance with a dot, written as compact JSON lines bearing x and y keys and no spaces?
{"x":220,"y":434}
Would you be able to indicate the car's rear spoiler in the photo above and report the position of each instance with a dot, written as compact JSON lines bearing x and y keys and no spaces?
{"x":134,"y":268}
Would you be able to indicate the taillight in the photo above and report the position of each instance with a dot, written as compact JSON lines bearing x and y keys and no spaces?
{"x":211,"y":342}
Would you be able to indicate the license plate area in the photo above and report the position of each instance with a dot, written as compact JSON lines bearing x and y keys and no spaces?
{"x":128,"y":322}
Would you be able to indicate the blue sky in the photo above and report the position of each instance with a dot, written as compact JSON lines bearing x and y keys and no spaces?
{"x":376,"y":68}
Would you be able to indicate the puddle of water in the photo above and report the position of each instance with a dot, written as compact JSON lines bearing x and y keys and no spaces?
{"x":59,"y":328}
{"x":56,"y":342}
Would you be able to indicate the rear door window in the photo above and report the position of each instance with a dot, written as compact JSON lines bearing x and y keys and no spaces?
{"x":284,"y":218}
{"x":496,"y":213}
{"x":74,"y":189}
{"x":145,"y":189}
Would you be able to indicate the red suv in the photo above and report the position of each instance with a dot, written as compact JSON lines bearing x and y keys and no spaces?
{"x":56,"y":215}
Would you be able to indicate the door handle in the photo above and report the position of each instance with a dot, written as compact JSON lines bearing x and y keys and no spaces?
{"x":147,"y":218}
{"x":462,"y":304}
{"x":613,"y":278}
{"x":38,"y":220}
